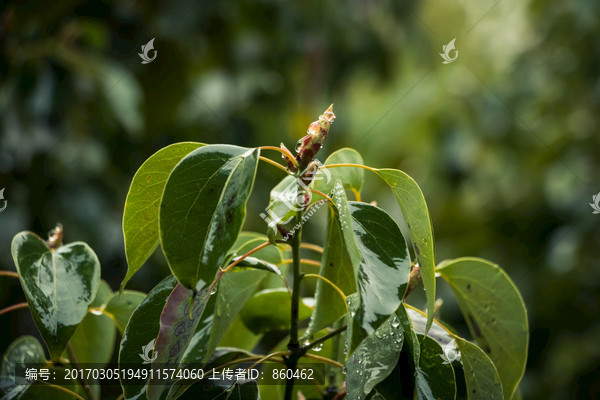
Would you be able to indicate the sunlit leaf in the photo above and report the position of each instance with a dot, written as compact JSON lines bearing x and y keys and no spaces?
{"x":380,"y":260}
{"x":140,"y":218}
{"x":415,"y":212}
{"x":374,"y":359}
{"x":483,"y":382}
{"x":59,"y":286}
{"x":495,"y":313}
{"x":203,"y":209}
{"x":351,"y":178}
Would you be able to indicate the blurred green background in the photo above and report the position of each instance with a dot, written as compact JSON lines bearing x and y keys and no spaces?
{"x":504,"y":141}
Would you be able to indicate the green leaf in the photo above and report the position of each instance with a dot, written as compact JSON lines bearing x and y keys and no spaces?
{"x":414,"y":209}
{"x":178,"y":322}
{"x":336,"y":266}
{"x":434,"y":377}
{"x":203,"y":209}
{"x":400,"y":383}
{"x":483,"y":382}
{"x":122,"y":305}
{"x":94,"y":339}
{"x":141,"y":330}
{"x":351,"y":178}
{"x":59,"y":286}
{"x":269,"y":310}
{"x":381,"y":263}
{"x":374,"y":359}
{"x":495,"y":313}
{"x":24,"y":350}
{"x":283,"y":204}
{"x":437,"y":332}
{"x":140,"y":218}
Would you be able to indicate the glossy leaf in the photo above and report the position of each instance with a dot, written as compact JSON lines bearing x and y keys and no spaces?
{"x":178,"y":324}
{"x":400,"y":383}
{"x":483,"y":382}
{"x":351,"y":178}
{"x":94,"y":339}
{"x":495,"y":313}
{"x":285,"y":201}
{"x":437,"y":332}
{"x":415,"y":212}
{"x":336,"y":266}
{"x":140,"y":217}
{"x":203,"y":209}
{"x":142,"y":329}
{"x":269,"y":310}
{"x":59,"y":286}
{"x":434,"y":378}
{"x":374,"y":359}
{"x":381,"y":263}
{"x":122,"y":305}
{"x":24,"y":350}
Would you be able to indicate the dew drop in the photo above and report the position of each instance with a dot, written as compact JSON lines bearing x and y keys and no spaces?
{"x":213,"y":291}
{"x":395,"y":324}
{"x":318,"y":347}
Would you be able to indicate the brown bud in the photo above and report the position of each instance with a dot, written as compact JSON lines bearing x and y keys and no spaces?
{"x":310,"y":144}
{"x":55,"y":237}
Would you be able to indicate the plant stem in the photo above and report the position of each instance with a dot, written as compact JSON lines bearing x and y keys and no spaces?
{"x":84,"y":382}
{"x":63,"y":389}
{"x":294,"y":345}
{"x":254,"y":250}
{"x":323,"y":339}
{"x":13,"y":308}
{"x":313,"y":247}
{"x":269,"y":161}
{"x":9,"y":273}
{"x":304,"y":261}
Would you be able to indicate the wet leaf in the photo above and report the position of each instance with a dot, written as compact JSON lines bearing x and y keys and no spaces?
{"x":380,"y":260}
{"x":143,"y":328}
{"x":203,"y":209}
{"x":415,"y":212}
{"x":122,"y":305}
{"x":59,"y":286}
{"x":483,"y":382}
{"x":495,"y":313}
{"x":140,"y":218}
{"x":374,"y":359}
{"x":434,"y":377}
{"x":269,"y":310}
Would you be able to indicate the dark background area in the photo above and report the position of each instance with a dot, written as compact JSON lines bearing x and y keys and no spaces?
{"x":504,"y":141}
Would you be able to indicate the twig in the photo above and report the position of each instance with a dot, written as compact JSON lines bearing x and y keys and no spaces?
{"x":13,"y":308}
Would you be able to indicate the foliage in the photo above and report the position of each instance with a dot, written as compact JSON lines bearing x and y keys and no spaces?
{"x":191,"y":199}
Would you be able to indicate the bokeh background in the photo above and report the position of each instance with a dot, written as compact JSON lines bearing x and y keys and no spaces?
{"x":504,"y":141}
